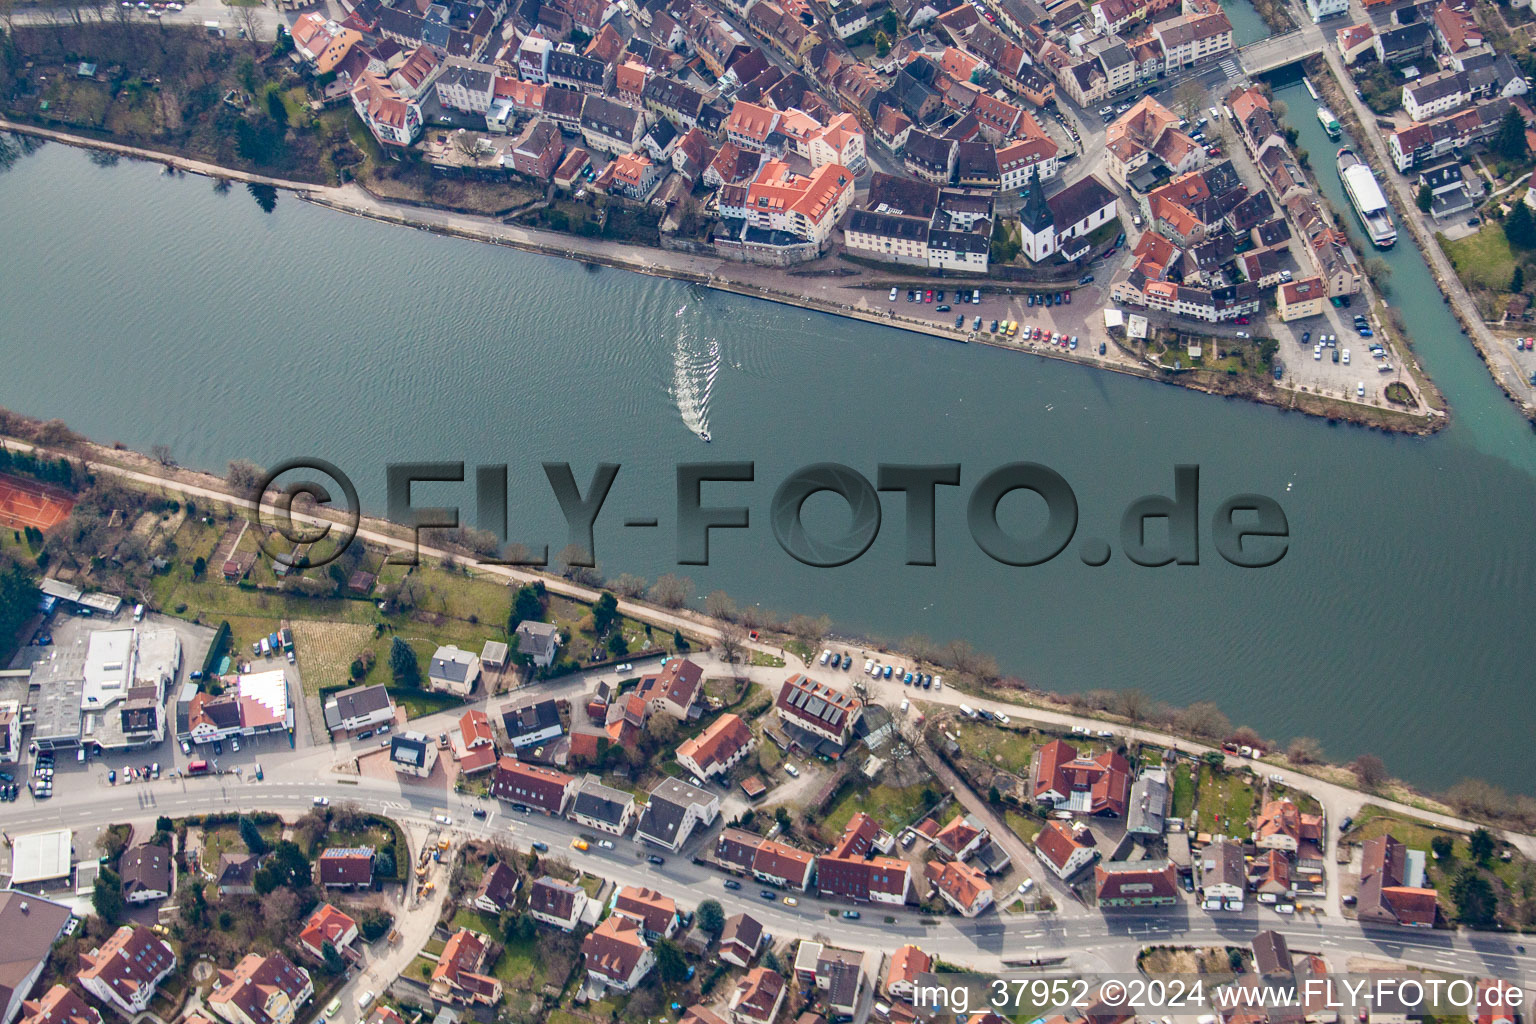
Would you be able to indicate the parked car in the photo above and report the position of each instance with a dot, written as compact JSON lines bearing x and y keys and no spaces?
{"x":768,"y":894}
{"x":731,"y":883}
{"x":322,"y":801}
{"x":442,"y":819}
{"x":654,"y":859}
{"x":791,"y":771}
{"x":850,"y":915}
{"x":478,"y":812}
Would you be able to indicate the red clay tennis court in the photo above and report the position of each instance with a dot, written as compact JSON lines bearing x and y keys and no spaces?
{"x":24,"y":503}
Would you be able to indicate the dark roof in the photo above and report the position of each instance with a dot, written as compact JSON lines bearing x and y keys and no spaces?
{"x":1271,"y":955}
{"x":977,"y":241}
{"x":1078,"y":200}
{"x":927,"y":151}
{"x":361,"y":700}
{"x":670,"y":94}
{"x":529,"y":718}
{"x":902,"y":195}
{"x":889,"y":225}
{"x":609,"y":117}
{"x":664,"y":813}
{"x":145,"y":868}
{"x":575,"y":67}
{"x":594,"y":800}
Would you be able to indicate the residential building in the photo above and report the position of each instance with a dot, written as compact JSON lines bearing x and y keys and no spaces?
{"x":656,"y":913}
{"x":758,"y":997}
{"x":602,"y":807}
{"x":741,"y":940}
{"x":474,"y":743}
{"x":818,"y":709}
{"x":236,"y":874}
{"x":1387,"y":895}
{"x":29,"y":926}
{"x":1193,"y":38}
{"x":852,"y":871}
{"x":718,"y":749}
{"x":1022,"y":161}
{"x":260,"y":990}
{"x":146,"y":873}
{"x":929,"y":157}
{"x":838,"y":974}
{"x":1065,"y":848}
{"x":10,"y":731}
{"x":359,"y":708}
{"x":539,"y":642}
{"x":750,"y":125}
{"x":962,"y":886}
{"x":1150,"y":798}
{"x":459,"y":975}
{"x":126,"y":969}
{"x":1148,"y":137}
{"x":466,"y":85}
{"x":252,"y":703}
{"x":532,"y":785}
{"x":1223,"y":875}
{"x":1436,"y":94}
{"x":961,"y":837}
{"x":556,"y":903}
{"x":346,"y":867}
{"x":617,"y":955}
{"x":412,"y":753}
{"x":393,"y":119}
{"x":805,"y":207}
{"x":1320,"y":10}
{"x":453,"y":671}
{"x":906,"y":964}
{"x":538,"y":150}
{"x":532,"y":724}
{"x":1064,"y":780}
{"x":676,"y":690}
{"x":767,"y":860}
{"x":672,"y":812}
{"x":327,"y":925}
{"x":1141,"y":883}
{"x":321,"y":42}
{"x":60,"y":1005}
{"x":498,"y":887}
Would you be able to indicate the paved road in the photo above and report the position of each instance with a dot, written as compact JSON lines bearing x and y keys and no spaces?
{"x":1090,"y":943}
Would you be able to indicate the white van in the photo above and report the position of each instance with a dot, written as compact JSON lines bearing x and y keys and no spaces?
{"x":138,"y":613}
{"x":869,"y":665}
{"x":825,"y":656}
{"x":967,"y":711}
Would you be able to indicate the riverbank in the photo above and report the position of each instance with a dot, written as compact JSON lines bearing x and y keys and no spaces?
{"x":1330,"y":77}
{"x":1131,"y":710}
{"x":850,"y":297}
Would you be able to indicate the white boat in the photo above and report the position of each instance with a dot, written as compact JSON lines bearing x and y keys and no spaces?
{"x":1330,"y":123}
{"x":1365,"y":193}
{"x":1311,"y":89}
{"x":704,"y":436}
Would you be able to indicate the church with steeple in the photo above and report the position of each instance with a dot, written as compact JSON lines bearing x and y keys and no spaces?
{"x":1036,"y":224}
{"x":1062,"y":223}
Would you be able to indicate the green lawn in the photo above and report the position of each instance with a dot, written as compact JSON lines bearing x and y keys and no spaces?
{"x":222,"y":839}
{"x":1225,"y":803}
{"x":1183,"y":791}
{"x":1025,"y":827}
{"x":894,"y":807}
{"x":1484,"y":259}
{"x":520,"y":967}
{"x":1007,"y":749}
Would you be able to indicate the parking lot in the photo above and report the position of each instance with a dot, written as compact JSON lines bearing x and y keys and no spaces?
{"x":1357,"y":369}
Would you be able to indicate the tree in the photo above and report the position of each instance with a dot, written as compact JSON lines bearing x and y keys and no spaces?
{"x":1520,"y":227}
{"x":199,"y":566}
{"x":1480,"y":844}
{"x":384,"y":862}
{"x":994,"y":797}
{"x":161,"y":453}
{"x":670,"y":964}
{"x":334,"y":964}
{"x":1517,"y":279}
{"x":733,"y":641}
{"x":1442,"y":847}
{"x":1370,"y":771}
{"x":287,"y":866}
{"x":1304,"y":750}
{"x":781,"y":815}
{"x":243,"y":475}
{"x":718,"y":605}
{"x":1473,"y":896}
{"x":18,"y":596}
{"x":527,"y":606}
{"x":1203,"y":719}
{"x":402,"y":663}
{"x":1509,"y":141}
{"x":711,"y":916}
{"x":889,"y":23}
{"x":251,"y":836}
{"x":1426,"y":198}
{"x":1379,"y":271}
{"x":617,"y":645}
{"x":882,"y":44}
{"x":671,"y":591}
{"x":107,"y":897}
{"x":605,"y":610}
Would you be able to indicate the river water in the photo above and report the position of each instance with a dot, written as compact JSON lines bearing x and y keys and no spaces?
{"x":146,"y":309}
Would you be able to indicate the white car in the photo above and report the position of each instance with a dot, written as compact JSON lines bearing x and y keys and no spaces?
{"x":905,"y":704}
{"x":1002,"y":719}
{"x":826,"y":656}
{"x":364,"y":999}
{"x":1317,"y":351}
{"x":234,"y":741}
{"x":893,"y":294}
{"x":1344,"y":357}
{"x":322,"y":801}
{"x":869,"y":665}
{"x":606,"y":844}
{"x":186,"y":747}
{"x":626,"y":667}
{"x":1026,"y":885}
{"x":442,"y":819}
{"x":791,"y":771}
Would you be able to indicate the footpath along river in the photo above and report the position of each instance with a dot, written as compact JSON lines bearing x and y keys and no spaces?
{"x":145,"y":309}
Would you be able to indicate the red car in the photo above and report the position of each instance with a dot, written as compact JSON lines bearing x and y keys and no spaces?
{"x":1242,"y":320}
{"x":1067,"y":298}
{"x":928,"y":295}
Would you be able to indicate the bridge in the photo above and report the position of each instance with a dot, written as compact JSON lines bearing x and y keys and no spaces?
{"x":1278,"y":51}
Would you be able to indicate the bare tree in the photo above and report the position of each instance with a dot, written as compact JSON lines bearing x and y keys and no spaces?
{"x":162,"y":454}
{"x":243,"y":475}
{"x":248,"y":18}
{"x":1203,"y":719}
{"x":468,"y":145}
{"x":628,"y":585}
{"x":671,"y":591}
{"x":1304,"y":750}
{"x":810,"y":629}
{"x":719,"y":605}
{"x":733,"y":640}
{"x":1370,"y":771}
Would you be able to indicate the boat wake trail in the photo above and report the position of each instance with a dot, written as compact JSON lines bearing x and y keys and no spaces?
{"x":695,"y":367}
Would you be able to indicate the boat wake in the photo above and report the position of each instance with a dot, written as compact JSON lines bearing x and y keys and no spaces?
{"x":695,"y":367}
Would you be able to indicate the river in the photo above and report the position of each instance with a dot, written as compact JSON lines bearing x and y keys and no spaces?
{"x":149,"y":309}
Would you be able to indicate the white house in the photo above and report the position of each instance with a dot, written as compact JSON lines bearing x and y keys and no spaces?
{"x":538,"y":641}
{"x":126,"y":969}
{"x":453,"y":671}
